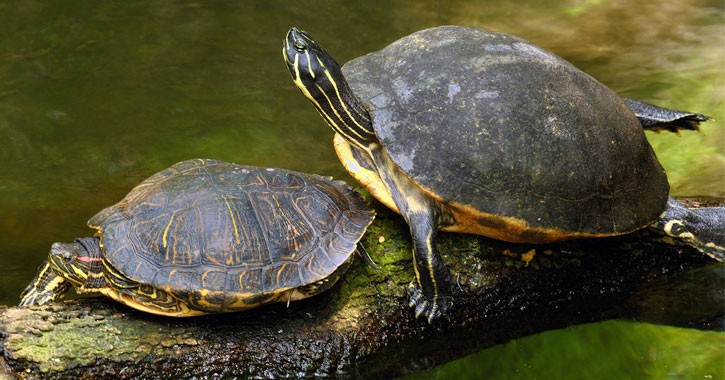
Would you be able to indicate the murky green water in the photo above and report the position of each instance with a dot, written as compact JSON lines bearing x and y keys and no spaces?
{"x":94,"y":97}
{"x":608,"y":350}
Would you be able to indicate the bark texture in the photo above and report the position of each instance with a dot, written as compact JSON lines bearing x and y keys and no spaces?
{"x":362,"y":326}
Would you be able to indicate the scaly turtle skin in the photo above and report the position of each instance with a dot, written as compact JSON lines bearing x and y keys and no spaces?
{"x":206,"y":236}
{"x":467,"y":130}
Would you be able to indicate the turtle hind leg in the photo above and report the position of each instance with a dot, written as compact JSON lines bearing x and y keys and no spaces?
{"x":702,"y":228}
{"x":320,"y":286}
{"x":657,"y":118}
{"x":47,"y":286}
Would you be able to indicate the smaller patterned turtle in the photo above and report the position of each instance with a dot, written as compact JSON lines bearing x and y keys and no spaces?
{"x":206,"y":236}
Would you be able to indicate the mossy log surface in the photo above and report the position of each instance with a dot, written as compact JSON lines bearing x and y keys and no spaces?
{"x":362,"y":327}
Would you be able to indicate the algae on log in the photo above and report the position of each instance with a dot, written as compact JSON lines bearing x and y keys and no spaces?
{"x":362,"y":327}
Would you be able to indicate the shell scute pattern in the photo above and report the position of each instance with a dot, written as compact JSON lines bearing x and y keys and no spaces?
{"x":208,"y":231}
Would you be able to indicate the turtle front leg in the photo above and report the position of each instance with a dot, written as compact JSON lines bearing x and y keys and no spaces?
{"x":47,"y":286}
{"x":430,"y":293}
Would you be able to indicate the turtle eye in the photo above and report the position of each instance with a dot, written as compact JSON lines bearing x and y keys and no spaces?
{"x":67,"y":256}
{"x":299,"y":47}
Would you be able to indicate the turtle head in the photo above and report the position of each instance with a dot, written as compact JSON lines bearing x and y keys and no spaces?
{"x":67,"y":264}
{"x":320,"y":79}
{"x":71,"y":261}
{"x":308,"y":62}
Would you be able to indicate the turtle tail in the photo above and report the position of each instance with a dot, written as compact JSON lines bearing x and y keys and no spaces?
{"x":701,"y":228}
{"x":657,"y":118}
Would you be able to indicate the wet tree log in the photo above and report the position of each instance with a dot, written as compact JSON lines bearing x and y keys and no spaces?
{"x":362,"y":327}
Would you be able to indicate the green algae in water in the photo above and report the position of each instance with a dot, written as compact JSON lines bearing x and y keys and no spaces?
{"x":607,"y":350}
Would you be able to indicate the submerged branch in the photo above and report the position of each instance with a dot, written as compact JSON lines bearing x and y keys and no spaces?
{"x":362,"y":326}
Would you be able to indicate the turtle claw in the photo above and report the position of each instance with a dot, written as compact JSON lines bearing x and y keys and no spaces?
{"x":419,"y":308}
{"x":423,"y":307}
{"x":37,"y":298}
{"x":416,"y":296}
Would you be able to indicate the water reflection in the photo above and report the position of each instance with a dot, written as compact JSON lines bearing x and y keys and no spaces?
{"x":606,"y":350}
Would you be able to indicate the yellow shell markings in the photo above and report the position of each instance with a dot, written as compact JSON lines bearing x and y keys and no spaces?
{"x":181,"y":308}
{"x":252,"y":240}
{"x":241,"y":279}
{"x":184,"y":310}
{"x":310,"y":268}
{"x":514,"y":230}
{"x":171,"y":273}
{"x":166,"y":231}
{"x":279,"y":214}
{"x":243,"y":237}
{"x":259,"y":214}
{"x":151,"y":204}
{"x":136,"y":269}
{"x":110,"y":254}
{"x":203,"y":278}
{"x":292,"y":232}
{"x":272,"y":212}
{"x":155,"y":299}
{"x":332,"y":213}
{"x":234,"y":220}
{"x":279,"y":272}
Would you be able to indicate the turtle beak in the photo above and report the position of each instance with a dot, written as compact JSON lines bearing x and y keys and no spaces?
{"x":298,"y":51}
{"x":294,"y":44}
{"x":296,"y":37}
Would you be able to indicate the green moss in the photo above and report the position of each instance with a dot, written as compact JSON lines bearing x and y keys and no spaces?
{"x":55,"y":344}
{"x":388,"y":243}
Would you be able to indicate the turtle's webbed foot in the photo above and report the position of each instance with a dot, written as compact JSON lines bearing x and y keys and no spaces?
{"x":424,"y":307}
{"x":658,"y":119}
{"x":687,"y":122}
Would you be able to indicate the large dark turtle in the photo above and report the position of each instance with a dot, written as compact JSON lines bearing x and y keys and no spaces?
{"x":206,"y":236}
{"x":468,"y":130}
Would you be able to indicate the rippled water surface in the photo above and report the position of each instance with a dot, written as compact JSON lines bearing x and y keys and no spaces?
{"x":95,"y":97}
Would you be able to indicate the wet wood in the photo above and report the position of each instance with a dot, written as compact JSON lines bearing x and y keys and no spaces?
{"x":362,"y":327}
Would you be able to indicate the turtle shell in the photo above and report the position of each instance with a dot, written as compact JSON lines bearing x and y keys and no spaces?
{"x":496,"y":126}
{"x":224,"y":236}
